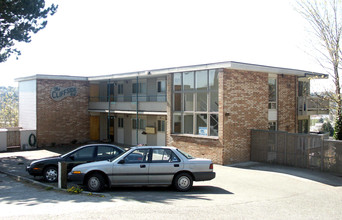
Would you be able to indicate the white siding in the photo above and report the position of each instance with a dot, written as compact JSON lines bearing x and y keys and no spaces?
{"x":28,"y":104}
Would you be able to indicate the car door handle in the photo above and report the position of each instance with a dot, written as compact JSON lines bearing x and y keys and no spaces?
{"x":142,"y":166}
{"x":176,"y":165}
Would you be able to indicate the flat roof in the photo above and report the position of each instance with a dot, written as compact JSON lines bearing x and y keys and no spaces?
{"x":53,"y":77}
{"x":164,"y":71}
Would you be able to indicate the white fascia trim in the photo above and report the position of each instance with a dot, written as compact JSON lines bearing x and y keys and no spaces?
{"x":219,"y":65}
{"x":51,"y":77}
{"x":128,"y":112}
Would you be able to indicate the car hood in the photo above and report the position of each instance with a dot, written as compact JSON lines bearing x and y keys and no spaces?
{"x":47,"y":160}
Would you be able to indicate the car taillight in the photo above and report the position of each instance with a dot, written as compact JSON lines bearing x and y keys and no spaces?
{"x":211,"y":167}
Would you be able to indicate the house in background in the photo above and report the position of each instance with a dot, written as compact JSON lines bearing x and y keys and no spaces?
{"x":207,"y":110}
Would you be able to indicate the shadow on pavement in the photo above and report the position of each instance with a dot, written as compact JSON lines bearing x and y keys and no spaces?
{"x":21,"y":193}
{"x":314,"y":175}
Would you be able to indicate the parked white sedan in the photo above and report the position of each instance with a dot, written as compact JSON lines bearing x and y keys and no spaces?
{"x":145,"y":166}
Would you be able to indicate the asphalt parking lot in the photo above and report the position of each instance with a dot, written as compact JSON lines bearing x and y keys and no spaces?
{"x":246,"y":191}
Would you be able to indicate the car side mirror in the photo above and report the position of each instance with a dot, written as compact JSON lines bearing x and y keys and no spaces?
{"x":121,"y":162}
{"x":72,"y":157}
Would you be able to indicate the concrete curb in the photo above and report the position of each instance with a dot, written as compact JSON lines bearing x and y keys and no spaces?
{"x":34,"y":182}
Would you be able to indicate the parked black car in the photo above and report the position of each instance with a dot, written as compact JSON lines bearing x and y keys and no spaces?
{"x":48,"y":167}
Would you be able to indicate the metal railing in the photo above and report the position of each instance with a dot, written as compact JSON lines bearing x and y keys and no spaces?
{"x":312,"y":105}
{"x":129,"y":98}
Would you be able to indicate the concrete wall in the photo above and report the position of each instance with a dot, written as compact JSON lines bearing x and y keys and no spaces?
{"x":28,"y":104}
{"x":65,"y":120}
{"x":3,"y":139}
{"x":24,"y":139}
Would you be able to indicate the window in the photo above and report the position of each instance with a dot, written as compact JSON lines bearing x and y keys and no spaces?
{"x":83,"y":154}
{"x":161,"y":125}
{"x":195,"y":103}
{"x":141,"y":124}
{"x":161,"y":86}
{"x":164,"y":156}
{"x":272,"y":125}
{"x":188,"y":81}
{"x":272,"y":93}
{"x":177,"y":123}
{"x":105,"y":152}
{"x":138,"y":88}
{"x":138,"y":156}
{"x":110,"y":95}
{"x":120,"y":122}
{"x":303,"y":88}
{"x":120,"y":89}
{"x":188,"y":156}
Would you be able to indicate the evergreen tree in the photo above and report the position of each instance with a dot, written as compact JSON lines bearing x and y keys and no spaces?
{"x":18,"y":20}
{"x":338,"y":127}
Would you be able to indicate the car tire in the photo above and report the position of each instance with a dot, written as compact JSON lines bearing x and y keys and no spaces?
{"x":183,"y":182}
{"x":50,"y":174}
{"x":95,"y":182}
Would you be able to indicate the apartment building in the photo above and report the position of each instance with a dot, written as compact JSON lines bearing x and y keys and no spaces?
{"x":207,"y":110}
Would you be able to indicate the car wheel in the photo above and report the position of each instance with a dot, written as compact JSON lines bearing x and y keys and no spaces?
{"x":183,"y":182}
{"x":50,"y":174}
{"x":95,"y":182}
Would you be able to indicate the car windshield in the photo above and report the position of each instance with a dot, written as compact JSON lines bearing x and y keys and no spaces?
{"x":186,"y":154}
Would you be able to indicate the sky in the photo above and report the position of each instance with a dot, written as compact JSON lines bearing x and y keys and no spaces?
{"x":89,"y":38}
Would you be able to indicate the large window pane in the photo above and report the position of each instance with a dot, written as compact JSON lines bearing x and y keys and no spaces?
{"x":201,"y":124}
{"x":213,"y":79}
{"x":213,"y":125}
{"x":272,"y":89}
{"x":213,"y":101}
{"x":188,"y":124}
{"x":177,"y":123}
{"x":177,"y":82}
{"x":177,"y":102}
{"x":161,"y":86}
{"x":188,"y":102}
{"x":272,"y":93}
{"x":188,"y":80}
{"x":85,"y":153}
{"x":201,"y":102}
{"x":138,"y":87}
{"x":201,"y":80}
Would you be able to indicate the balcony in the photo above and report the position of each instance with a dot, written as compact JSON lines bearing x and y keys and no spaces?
{"x":153,"y":103}
{"x":310,"y":105}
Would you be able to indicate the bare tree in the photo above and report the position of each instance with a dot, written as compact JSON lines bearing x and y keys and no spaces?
{"x":324,"y":17}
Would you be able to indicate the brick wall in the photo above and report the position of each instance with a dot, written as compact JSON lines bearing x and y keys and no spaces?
{"x":245,"y":107}
{"x":62,"y":121}
{"x":287,"y":103}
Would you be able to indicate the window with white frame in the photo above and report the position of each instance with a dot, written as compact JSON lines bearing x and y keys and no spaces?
{"x":140,"y":125}
{"x":120,"y":88}
{"x":139,"y":88}
{"x":195,"y":103}
{"x":161,"y":125}
{"x":272,"y":93}
{"x":272,"y":125}
{"x":161,"y":86}
{"x":120,"y":122}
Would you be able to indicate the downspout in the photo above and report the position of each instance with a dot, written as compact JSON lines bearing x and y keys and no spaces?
{"x":108,"y":119}
{"x":137,"y":107}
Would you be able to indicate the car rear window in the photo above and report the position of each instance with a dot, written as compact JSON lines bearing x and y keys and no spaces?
{"x":186,"y":154}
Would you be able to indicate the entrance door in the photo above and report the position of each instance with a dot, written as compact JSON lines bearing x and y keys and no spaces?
{"x":95,"y":128}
